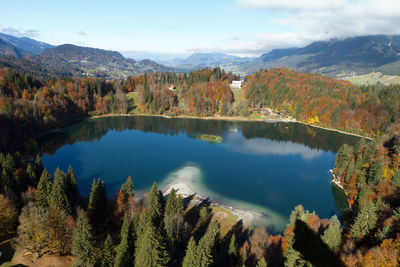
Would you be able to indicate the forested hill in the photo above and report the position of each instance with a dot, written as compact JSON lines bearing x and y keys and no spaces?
{"x":334,"y":58}
{"x":44,"y":60}
{"x":11,"y":50}
{"x":28,"y":45}
{"x":323,"y":101}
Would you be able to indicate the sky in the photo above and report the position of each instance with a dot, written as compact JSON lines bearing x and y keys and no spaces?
{"x":177,"y":28}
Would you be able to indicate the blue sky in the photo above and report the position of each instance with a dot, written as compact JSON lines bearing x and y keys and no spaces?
{"x":241,"y":27}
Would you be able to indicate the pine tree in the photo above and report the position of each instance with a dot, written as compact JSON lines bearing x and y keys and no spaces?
{"x":174,"y":204}
{"x":262,"y":263}
{"x":72,"y":187}
{"x":30,"y":172}
{"x":207,"y":244}
{"x":108,"y":254}
{"x":151,"y":249}
{"x":365,"y":220}
{"x":144,"y":222}
{"x":343,"y":157}
{"x":332,"y":235}
{"x":191,"y":257}
{"x":38,"y":165}
{"x":127,"y":188}
{"x":59,"y":198}
{"x":155,"y":208}
{"x":232,"y":250}
{"x":396,"y":178}
{"x":376,"y":172}
{"x":350,"y":171}
{"x":83,"y":241}
{"x":44,"y":188}
{"x":97,"y":200}
{"x":125,"y":249}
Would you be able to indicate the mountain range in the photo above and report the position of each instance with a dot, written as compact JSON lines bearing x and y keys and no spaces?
{"x":43,"y":59}
{"x":336,"y":58}
{"x":206,"y":60}
{"x":333,"y":58}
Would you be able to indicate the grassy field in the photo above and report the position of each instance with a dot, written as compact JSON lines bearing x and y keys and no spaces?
{"x":373,"y":78}
{"x":237,"y":94}
{"x":225,"y":219}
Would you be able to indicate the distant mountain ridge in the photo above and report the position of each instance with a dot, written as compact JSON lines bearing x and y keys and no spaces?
{"x":69,"y":60}
{"x":335,"y":58}
{"x":24,"y":43}
{"x":206,"y":60}
{"x":11,"y":50}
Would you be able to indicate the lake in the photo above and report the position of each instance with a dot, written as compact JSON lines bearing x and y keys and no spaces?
{"x":269,"y":168}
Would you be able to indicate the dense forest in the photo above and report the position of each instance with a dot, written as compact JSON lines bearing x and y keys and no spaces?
{"x":47,"y":215}
{"x":325,"y":102}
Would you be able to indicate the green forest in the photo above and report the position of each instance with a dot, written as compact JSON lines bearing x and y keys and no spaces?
{"x":45,"y":214}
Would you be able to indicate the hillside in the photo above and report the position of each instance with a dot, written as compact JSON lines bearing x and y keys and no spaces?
{"x":198,"y":61}
{"x":94,"y":62}
{"x":7,"y":49}
{"x":336,"y":58}
{"x":26,"y":44}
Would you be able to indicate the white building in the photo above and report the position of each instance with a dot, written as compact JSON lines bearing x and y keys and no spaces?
{"x":236,"y":84}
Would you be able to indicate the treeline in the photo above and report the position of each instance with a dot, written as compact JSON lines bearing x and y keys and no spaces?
{"x":50,"y":217}
{"x":370,"y":176}
{"x":323,"y":101}
{"x":30,"y":106}
{"x":203,"y":92}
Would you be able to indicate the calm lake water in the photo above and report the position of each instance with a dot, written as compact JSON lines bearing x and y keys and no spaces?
{"x":261,"y":166}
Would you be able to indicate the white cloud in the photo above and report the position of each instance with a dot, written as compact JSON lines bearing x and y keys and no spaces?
{"x":82,"y":33}
{"x":315,"y":20}
{"x":292,"y":5}
{"x":260,"y":146}
{"x":19,"y":32}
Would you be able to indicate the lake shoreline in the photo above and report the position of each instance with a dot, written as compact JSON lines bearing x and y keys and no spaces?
{"x":187,"y":184}
{"x":227,"y":118}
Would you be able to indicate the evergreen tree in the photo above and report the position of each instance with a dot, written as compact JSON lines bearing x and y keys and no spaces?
{"x":362,"y":195}
{"x":332,"y":235}
{"x":108,"y":254}
{"x":262,"y":263}
{"x":72,"y":187}
{"x":59,"y":198}
{"x":343,"y":157}
{"x":376,"y":172}
{"x":396,"y":178}
{"x":362,"y":179}
{"x":365,"y":221}
{"x":38,"y":165}
{"x":350,"y":171}
{"x":233,"y":250}
{"x":174,"y":204}
{"x":30,"y":172}
{"x":83,"y":241}
{"x":151,"y":249}
{"x":97,"y":200}
{"x":155,"y":208}
{"x":126,"y":247}
{"x":127,"y":187}
{"x":144,"y":222}
{"x":191,"y":257}
{"x":207,"y":244}
{"x":44,"y":188}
